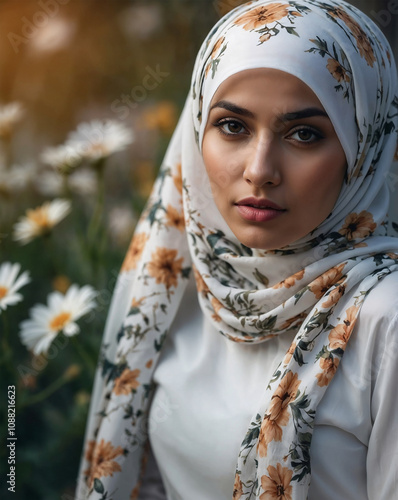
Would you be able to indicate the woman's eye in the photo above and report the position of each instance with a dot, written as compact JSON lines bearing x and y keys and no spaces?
{"x":305,"y":135}
{"x":231,"y":127}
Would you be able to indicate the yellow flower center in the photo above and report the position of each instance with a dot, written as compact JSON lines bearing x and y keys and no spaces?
{"x":39,"y":217}
{"x":97,"y":148}
{"x":3,"y":292}
{"x":59,"y":322}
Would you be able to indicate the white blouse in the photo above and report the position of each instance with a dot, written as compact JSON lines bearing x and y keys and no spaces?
{"x":208,"y":390}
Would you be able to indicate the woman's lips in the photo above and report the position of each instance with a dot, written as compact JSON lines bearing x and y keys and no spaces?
{"x":258,"y":209}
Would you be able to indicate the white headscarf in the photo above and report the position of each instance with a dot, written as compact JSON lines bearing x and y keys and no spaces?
{"x":252,"y":295}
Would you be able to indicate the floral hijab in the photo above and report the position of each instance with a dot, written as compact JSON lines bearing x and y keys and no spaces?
{"x":314,"y":286}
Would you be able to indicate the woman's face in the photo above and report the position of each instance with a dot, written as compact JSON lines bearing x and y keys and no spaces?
{"x":274,"y":161}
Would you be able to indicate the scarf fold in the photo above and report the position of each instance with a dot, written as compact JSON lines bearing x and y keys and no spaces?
{"x":315,"y":286}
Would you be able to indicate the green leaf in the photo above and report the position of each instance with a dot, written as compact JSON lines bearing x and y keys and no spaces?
{"x":98,"y":486}
{"x":268,"y":323}
{"x":378,"y":258}
{"x":220,"y":251}
{"x":213,"y":239}
{"x":292,"y":31}
{"x":252,"y":434}
{"x":185,"y":272}
{"x":152,"y":212}
{"x":298,"y":356}
{"x":128,"y":412}
{"x":158,"y":343}
{"x":260,"y":277}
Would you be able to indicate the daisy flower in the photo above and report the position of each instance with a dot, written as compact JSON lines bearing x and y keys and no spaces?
{"x":49,"y":183}
{"x":83,"y":182}
{"x":64,"y":158}
{"x":19,"y":177}
{"x":121,"y":223}
{"x":60,"y":315}
{"x":40,"y":220}
{"x":99,"y":139}
{"x":10,"y":284}
{"x":10,"y":114}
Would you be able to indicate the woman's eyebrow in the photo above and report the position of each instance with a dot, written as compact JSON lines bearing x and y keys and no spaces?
{"x":303,"y":113}
{"x":291,"y":116}
{"x":229,"y":106}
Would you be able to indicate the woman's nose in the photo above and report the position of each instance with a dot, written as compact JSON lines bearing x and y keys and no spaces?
{"x":262,"y":165}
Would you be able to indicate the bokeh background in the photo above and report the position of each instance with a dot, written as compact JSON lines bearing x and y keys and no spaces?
{"x":66,"y":62}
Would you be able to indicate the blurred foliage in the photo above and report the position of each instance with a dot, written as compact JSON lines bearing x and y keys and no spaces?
{"x":67,"y":62}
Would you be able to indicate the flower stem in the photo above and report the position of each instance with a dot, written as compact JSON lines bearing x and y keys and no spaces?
{"x":88,"y":361}
{"x":97,"y":214}
{"x":45,"y":393}
{"x":6,"y":358}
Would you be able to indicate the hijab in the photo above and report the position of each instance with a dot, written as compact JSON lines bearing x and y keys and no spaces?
{"x":314,"y":286}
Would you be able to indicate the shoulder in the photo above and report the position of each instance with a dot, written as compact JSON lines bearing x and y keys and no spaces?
{"x":375,"y":335}
{"x":376,"y":328}
{"x":381,"y":304}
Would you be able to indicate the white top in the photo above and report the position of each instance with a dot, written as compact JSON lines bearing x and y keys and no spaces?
{"x":208,"y":389}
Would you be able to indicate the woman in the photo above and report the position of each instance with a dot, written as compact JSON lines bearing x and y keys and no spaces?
{"x":261,"y":259}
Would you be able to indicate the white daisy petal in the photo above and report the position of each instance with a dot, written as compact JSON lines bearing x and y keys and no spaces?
{"x":10,"y":284}
{"x":83,"y":182}
{"x":59,"y":315}
{"x":43,"y":344}
{"x":99,"y":139}
{"x":10,"y":114}
{"x":40,"y":220}
{"x":71,"y":329}
{"x":64,"y":158}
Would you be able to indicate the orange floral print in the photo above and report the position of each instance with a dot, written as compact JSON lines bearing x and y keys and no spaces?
{"x":277,"y":486}
{"x":238,"y":489}
{"x":165,"y":267}
{"x":339,"y":336}
{"x":134,"y":252}
{"x":284,"y":394}
{"x":296,"y":321}
{"x":259,"y":17}
{"x":337,"y":71}
{"x":177,"y":179}
{"x":217,"y":46}
{"x":291,"y":281}
{"x":135,"y":492}
{"x":217,"y":306}
{"x":126,"y":382}
{"x":101,"y":457}
{"x":322,"y":284}
{"x":334,"y":296}
{"x":289,"y":354}
{"x":200,"y":284}
{"x":278,"y":416}
{"x":329,"y":366}
{"x":358,"y":225}
{"x":265,"y":37}
{"x":363,"y":43}
{"x":175,"y":218}
{"x":137,"y":303}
